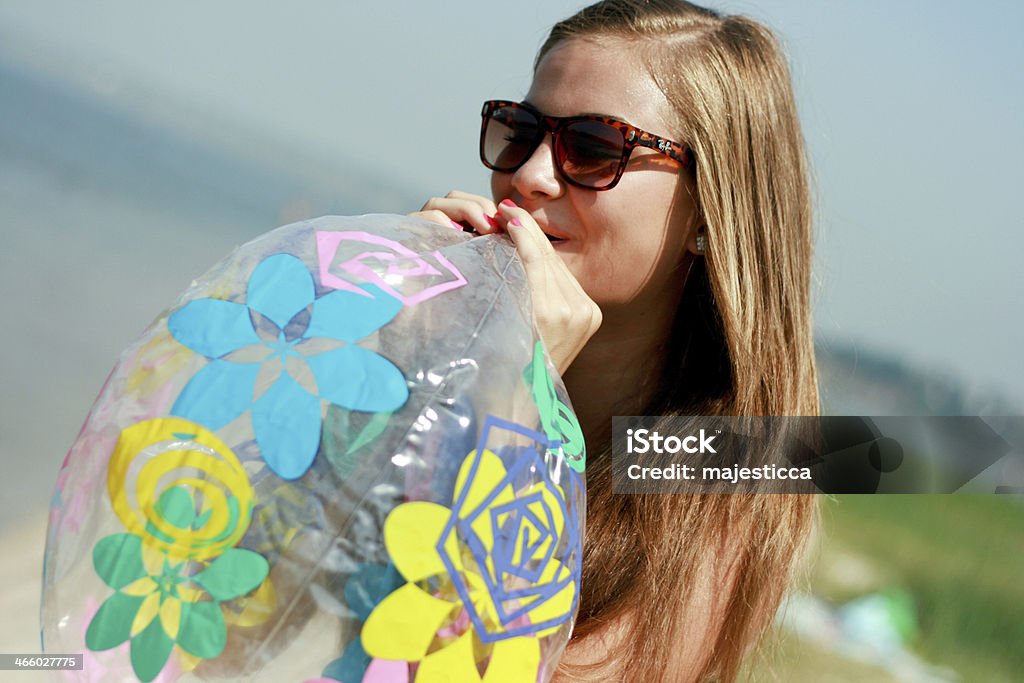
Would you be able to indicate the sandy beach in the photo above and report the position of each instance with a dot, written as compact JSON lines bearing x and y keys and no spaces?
{"x":20,"y":571}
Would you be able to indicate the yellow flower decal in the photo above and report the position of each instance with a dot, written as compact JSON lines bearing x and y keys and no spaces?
{"x":190,"y":504}
{"x":506,"y":555}
{"x":182,"y":454}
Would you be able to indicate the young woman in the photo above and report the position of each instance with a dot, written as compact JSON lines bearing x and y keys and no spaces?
{"x":654,"y":182}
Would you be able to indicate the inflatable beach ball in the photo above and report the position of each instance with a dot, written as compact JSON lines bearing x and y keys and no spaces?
{"x":342,"y":455}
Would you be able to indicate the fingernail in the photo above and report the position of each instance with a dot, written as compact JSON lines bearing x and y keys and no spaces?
{"x":515,"y":222}
{"x":456,"y":226}
{"x":508,"y":202}
{"x":490,"y":221}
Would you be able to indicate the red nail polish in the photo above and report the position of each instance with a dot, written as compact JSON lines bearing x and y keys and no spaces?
{"x":515,"y":222}
{"x":456,"y":226}
{"x":508,"y":202}
{"x":490,"y":221}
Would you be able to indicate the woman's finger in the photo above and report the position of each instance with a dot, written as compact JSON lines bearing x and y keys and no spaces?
{"x":466,"y":211}
{"x":437,"y":216}
{"x":485,"y":203}
{"x":532,"y":243}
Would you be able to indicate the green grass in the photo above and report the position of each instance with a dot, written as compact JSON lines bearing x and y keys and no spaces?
{"x":961,"y":558}
{"x":784,"y":659}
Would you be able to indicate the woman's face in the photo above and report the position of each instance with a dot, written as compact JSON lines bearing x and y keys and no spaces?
{"x":631,"y":244}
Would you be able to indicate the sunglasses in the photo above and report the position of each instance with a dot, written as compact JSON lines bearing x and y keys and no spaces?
{"x":590,"y":151}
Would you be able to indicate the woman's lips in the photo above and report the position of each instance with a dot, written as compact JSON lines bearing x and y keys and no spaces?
{"x":553,"y":235}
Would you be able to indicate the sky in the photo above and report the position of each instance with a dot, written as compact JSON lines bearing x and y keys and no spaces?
{"x":911,"y":112}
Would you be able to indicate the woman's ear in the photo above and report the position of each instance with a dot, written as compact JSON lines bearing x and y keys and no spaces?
{"x":697,"y":243}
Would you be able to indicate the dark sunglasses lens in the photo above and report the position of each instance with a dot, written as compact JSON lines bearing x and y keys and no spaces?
{"x":510,"y":136}
{"x":590,"y":152}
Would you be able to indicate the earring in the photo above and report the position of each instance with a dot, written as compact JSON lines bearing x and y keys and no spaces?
{"x":702,"y":242}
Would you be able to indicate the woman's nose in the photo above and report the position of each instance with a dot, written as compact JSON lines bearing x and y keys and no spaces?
{"x":538,"y":177}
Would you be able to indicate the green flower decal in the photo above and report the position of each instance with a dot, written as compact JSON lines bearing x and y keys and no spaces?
{"x":160,"y":602}
{"x":557,"y":419}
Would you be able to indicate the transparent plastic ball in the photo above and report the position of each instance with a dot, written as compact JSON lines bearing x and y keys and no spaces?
{"x":341,"y":455}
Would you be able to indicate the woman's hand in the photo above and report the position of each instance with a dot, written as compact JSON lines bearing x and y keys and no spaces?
{"x":566,"y":317}
{"x":461,"y":210}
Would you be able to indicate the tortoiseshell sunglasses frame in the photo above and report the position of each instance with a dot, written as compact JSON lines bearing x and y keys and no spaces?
{"x":631,"y":137}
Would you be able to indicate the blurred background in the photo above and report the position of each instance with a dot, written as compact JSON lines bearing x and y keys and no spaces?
{"x":140,"y":142}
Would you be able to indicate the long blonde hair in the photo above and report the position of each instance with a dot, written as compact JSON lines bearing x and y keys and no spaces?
{"x":741,"y":342}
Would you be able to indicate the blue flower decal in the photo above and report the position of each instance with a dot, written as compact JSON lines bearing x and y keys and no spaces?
{"x":285,"y":330}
